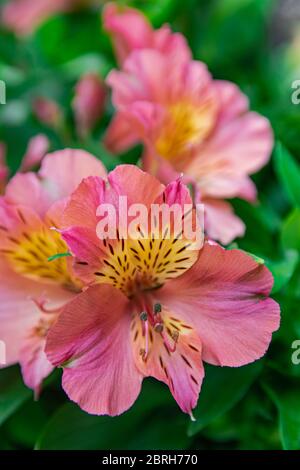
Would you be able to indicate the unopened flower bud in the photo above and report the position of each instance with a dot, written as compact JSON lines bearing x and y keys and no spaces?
{"x":88,"y":103}
{"x":47,"y":111}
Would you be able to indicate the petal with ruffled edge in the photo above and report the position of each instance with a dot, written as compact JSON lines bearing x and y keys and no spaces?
{"x":239,"y":147}
{"x":220,"y":221}
{"x":119,"y":135}
{"x":34,"y":363}
{"x":26,"y":189}
{"x":225,"y":297}
{"x":36,"y":150}
{"x":91,"y":339}
{"x":62,"y":171}
{"x":130,"y":30}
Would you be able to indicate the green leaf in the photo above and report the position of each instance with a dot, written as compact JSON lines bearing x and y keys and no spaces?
{"x":283,"y":270}
{"x":287,"y":402}
{"x":155,"y":415}
{"x":13,"y":392}
{"x":290,"y":235}
{"x":223,"y":387}
{"x":288,"y":172}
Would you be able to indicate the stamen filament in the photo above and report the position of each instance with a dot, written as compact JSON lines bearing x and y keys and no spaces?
{"x":41,"y":306}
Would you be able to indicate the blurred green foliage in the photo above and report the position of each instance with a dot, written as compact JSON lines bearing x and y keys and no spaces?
{"x":254,"y":407}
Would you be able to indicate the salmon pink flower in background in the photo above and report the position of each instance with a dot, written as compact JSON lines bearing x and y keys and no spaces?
{"x":193,"y":125}
{"x":24,"y":16}
{"x":130,"y":30}
{"x":33,"y":289}
{"x":36,"y":150}
{"x":47,"y":111}
{"x":155,"y":306}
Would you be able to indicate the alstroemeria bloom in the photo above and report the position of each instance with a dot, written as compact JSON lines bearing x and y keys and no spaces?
{"x":88,"y":103}
{"x":24,"y":16}
{"x":194,"y":125}
{"x":156,"y":307}
{"x":32,"y":288}
{"x":130,"y":30}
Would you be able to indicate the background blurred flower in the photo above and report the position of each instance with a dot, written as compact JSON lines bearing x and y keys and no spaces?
{"x":32,"y":288}
{"x":130,"y":30}
{"x":88,"y":103}
{"x":194,"y":125}
{"x":47,"y":112}
{"x":36,"y":150}
{"x":24,"y":16}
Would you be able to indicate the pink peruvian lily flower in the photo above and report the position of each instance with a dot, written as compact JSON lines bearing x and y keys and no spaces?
{"x":155,"y":306}
{"x":33,"y":289}
{"x":88,"y":103}
{"x":47,"y":111}
{"x":37,"y":148}
{"x":193,"y":125}
{"x":130,"y":30}
{"x":24,"y":16}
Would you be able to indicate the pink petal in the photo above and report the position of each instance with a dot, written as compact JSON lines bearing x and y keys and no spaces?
{"x":63,"y":170}
{"x":18,"y":313}
{"x":26,"y":189}
{"x":225,"y":296}
{"x":23,"y":16}
{"x":171,"y":44}
{"x":36,"y":150}
{"x":120,"y":136}
{"x":137,"y":185}
{"x":220,"y":221}
{"x":88,"y":103}
{"x":159,"y":167}
{"x":238,"y":148}
{"x":82,"y":205}
{"x":182,"y":370}
{"x":129,"y":29}
{"x":233,"y":103}
{"x":92,"y":339}
{"x":34,"y":363}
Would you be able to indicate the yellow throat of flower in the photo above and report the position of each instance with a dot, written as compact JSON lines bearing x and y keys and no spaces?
{"x":134,"y":266}
{"x":29,"y":254}
{"x":185,"y":126}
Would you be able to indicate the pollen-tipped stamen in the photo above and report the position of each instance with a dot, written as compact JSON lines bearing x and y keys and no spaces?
{"x":157,"y":308}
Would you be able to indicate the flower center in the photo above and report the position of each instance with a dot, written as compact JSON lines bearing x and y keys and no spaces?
{"x":29,"y":253}
{"x":185,"y":125}
{"x":138,"y":265}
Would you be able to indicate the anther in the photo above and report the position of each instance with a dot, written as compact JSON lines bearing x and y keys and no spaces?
{"x":158,"y":327}
{"x":144,"y":316}
{"x":157,"y":308}
{"x":175,"y":336}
